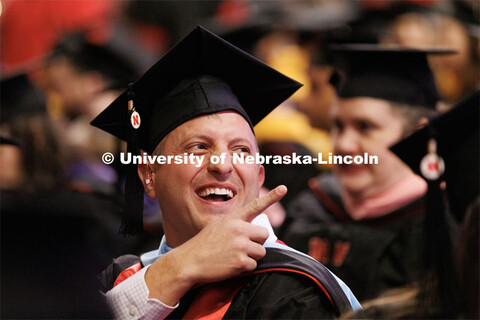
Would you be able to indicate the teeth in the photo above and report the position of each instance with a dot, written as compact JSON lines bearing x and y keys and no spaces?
{"x":216,"y":191}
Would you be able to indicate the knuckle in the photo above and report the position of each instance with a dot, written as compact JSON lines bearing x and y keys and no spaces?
{"x":239,"y":261}
{"x":262,"y":251}
{"x":240,"y":246}
{"x":256,"y":205}
{"x":246,"y":263}
{"x":236,"y":228}
{"x":243,"y":262}
{"x":261,"y":232}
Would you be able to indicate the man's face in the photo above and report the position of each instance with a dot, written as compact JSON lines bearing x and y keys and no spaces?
{"x":11,"y":168}
{"x":69,"y":86}
{"x":367,"y":125}
{"x":189,"y":196}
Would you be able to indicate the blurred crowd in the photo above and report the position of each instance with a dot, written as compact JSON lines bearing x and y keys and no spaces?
{"x":63,"y":62}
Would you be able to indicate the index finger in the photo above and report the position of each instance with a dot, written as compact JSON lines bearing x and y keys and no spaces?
{"x":258,"y":205}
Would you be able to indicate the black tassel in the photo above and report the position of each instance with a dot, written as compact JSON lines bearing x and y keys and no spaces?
{"x":439,"y":283}
{"x":440,"y":289}
{"x":132,"y":219}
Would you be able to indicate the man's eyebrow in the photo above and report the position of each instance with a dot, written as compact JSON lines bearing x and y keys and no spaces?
{"x":210,"y":139}
{"x":367,"y":120}
{"x":195,"y":136}
{"x":355,"y":119}
{"x":240,"y":139}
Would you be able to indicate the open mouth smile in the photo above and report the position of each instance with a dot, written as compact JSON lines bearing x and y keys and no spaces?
{"x":216,"y":194}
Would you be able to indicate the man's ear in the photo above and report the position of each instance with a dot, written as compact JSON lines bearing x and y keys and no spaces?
{"x":145,"y":173}
{"x":421,"y":123}
{"x":261,"y":175}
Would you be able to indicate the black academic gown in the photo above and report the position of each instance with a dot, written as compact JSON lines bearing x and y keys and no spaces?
{"x":285,"y":285}
{"x":274,"y":295}
{"x":282,"y":287}
{"x":370,"y":255}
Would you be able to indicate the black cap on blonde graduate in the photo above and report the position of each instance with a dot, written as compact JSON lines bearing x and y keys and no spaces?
{"x":202,"y":74}
{"x":396,"y":74}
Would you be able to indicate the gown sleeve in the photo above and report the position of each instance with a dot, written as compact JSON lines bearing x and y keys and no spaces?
{"x":280,"y":295}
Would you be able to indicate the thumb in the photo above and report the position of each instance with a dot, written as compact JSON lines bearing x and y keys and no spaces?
{"x":258,"y":205}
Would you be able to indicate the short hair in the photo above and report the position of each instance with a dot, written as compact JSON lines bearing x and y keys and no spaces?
{"x":160,"y":146}
{"x":411,"y":115}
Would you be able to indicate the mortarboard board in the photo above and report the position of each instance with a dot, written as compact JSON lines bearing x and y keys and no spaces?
{"x":258,"y":88}
{"x":202,"y":74}
{"x":445,"y":150}
{"x":395,"y":74}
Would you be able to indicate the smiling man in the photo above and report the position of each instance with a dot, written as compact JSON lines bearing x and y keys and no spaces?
{"x":212,"y":190}
{"x":219,"y":256}
{"x":364,"y":222}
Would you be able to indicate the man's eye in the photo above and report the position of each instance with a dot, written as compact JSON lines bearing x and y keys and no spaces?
{"x":365,"y":126}
{"x":243,"y":149}
{"x":198,"y":146}
{"x":338,"y":125}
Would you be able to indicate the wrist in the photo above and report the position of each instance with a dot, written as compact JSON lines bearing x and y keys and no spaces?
{"x":168,"y":280}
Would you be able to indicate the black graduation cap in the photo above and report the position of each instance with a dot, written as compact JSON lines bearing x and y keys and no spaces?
{"x":390,"y":73}
{"x":446,"y":150}
{"x":20,"y":98}
{"x":114,"y":64}
{"x":456,"y":134}
{"x":202,"y":74}
{"x":9,"y":141}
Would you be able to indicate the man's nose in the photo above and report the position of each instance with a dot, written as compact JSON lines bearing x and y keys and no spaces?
{"x":220,"y":164}
{"x":346,"y":143}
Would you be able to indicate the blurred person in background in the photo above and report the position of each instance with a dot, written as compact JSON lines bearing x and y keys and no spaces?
{"x":458,"y":75}
{"x":54,"y":240}
{"x":363,"y":221}
{"x":449,"y":285}
{"x":80,"y":79}
{"x":322,"y":94}
{"x":83,"y":78}
{"x":42,"y":166}
{"x":457,"y":26}
{"x":30,"y":29}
